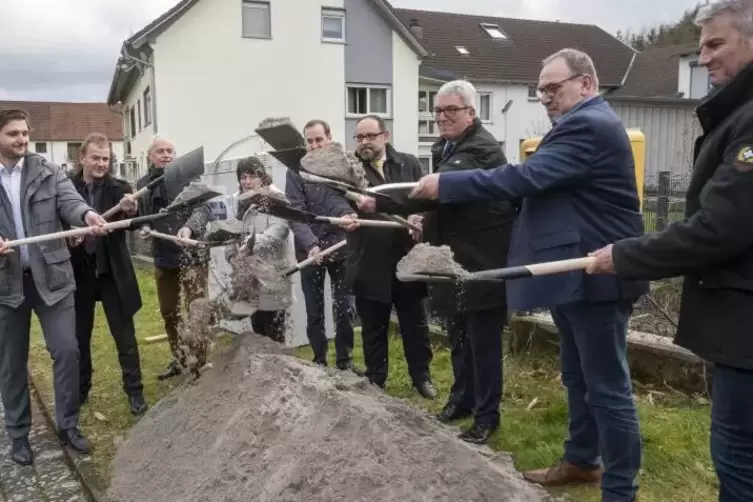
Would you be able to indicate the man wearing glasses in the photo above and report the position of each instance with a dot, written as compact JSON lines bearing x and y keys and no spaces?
{"x":579,"y":194}
{"x":372,"y":256}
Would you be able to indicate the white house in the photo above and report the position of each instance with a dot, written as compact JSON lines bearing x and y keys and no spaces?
{"x":502,"y":57}
{"x":59,"y":128}
{"x":207,"y":72}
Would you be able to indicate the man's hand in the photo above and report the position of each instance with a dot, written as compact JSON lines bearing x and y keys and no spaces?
{"x":428,"y":188}
{"x":128,"y":204}
{"x":95,"y":222}
{"x":603,"y":263}
{"x":351,"y":226}
{"x":4,"y":248}
{"x":144,"y":232}
{"x":75,"y":241}
{"x":184,"y":233}
{"x":313,"y":252}
{"x":418,"y":220}
{"x":367,"y":204}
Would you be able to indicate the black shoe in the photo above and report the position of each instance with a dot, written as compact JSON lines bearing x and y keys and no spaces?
{"x":75,"y":440}
{"x":426,"y":389}
{"x":478,"y":433}
{"x":20,"y":451}
{"x":319,"y":362}
{"x":137,"y":404}
{"x":350,"y":367}
{"x":452,"y":412}
{"x":172,"y":370}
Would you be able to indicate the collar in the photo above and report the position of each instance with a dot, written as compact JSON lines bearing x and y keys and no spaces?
{"x":722,"y":101}
{"x":19,"y":165}
{"x":575,"y":108}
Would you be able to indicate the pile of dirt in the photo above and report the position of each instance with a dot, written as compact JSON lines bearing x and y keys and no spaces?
{"x":251,"y":275}
{"x":193,"y":191}
{"x":433,"y":260}
{"x":265,"y":426}
{"x":332,"y":161}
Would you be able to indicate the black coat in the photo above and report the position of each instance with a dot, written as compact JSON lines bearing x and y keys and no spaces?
{"x":477,"y":232}
{"x":372,"y":253}
{"x":713,"y":246}
{"x":118,"y":255}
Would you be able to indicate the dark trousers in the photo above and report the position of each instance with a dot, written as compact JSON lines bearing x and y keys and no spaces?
{"x":89,"y":289}
{"x":414,"y":329}
{"x":270,"y":323}
{"x":312,"y":283}
{"x":732,"y":432}
{"x":59,"y":329}
{"x":476,"y":351}
{"x":603,"y":425}
{"x":174,"y":285}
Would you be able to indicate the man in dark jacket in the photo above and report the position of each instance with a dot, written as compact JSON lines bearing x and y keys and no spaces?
{"x":103,"y":270}
{"x":373,"y":254}
{"x":478,"y":234}
{"x":176,"y":269}
{"x":713,"y":246}
{"x":312,"y":238}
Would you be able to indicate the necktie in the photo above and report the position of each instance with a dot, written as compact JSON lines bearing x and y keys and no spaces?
{"x":447,"y":149}
{"x":379,"y":166}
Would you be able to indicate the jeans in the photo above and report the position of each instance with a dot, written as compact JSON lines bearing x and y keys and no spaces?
{"x":603,"y":425}
{"x":732,"y":432}
{"x":312,"y":283}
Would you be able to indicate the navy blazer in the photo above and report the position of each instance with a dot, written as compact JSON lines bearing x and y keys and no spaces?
{"x":579,"y":195}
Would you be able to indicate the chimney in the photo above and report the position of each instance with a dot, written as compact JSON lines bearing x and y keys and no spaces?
{"x":416,"y":28}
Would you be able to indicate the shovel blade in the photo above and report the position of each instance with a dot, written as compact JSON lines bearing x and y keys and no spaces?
{"x":290,"y":157}
{"x":280,"y":133}
{"x":183,"y":170}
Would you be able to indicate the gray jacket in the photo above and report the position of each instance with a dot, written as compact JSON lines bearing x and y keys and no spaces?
{"x":48,"y":197}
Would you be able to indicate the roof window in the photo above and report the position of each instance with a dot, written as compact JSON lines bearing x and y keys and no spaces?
{"x":462,"y":50}
{"x":493,"y":31}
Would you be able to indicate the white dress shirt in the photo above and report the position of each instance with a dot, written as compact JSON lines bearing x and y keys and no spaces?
{"x":11,"y":179}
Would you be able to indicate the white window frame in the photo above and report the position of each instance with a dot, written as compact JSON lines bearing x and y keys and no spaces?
{"x":147,"y":100}
{"x":433,"y":128}
{"x":427,"y":94}
{"x":260,"y":7}
{"x":533,"y":93}
{"x":494,"y":31}
{"x":333,"y":13}
{"x":480,"y":95}
{"x":368,"y":87}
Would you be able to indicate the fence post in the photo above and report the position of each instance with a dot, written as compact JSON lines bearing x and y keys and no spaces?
{"x":662,"y":201}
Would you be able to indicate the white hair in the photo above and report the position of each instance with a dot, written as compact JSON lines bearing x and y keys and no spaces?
{"x":741,"y":12}
{"x":461,"y":88}
{"x":156,"y":138}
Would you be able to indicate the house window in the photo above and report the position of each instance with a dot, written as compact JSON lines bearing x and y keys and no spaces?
{"x":427,"y":128}
{"x":426,"y":101}
{"x":333,"y":25}
{"x":485,"y":107}
{"x":255,"y":19}
{"x":425,"y":164}
{"x":462,"y":50}
{"x":700,"y":81}
{"x":40,"y":147}
{"x":533,"y":93}
{"x":147,"y":107}
{"x":363,"y":100}
{"x":73,"y":151}
{"x":493,"y":31}
{"x":132,"y":117}
{"x":138,"y":106}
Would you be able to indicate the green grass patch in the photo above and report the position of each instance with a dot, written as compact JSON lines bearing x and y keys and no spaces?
{"x":676,"y":464}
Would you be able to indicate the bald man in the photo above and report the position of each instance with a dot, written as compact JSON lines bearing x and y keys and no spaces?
{"x":180,"y":273}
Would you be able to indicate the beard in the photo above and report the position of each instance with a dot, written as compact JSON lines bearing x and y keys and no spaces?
{"x":369,"y":154}
{"x":13,"y":153}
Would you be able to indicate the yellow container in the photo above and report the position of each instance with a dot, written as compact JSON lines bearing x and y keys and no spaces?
{"x":637,"y":143}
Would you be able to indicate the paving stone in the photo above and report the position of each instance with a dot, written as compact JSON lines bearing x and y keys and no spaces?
{"x":49,"y":479}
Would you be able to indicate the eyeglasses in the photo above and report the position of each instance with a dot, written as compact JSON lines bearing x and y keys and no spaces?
{"x":552,"y":88}
{"x":449,"y":111}
{"x":368,"y":136}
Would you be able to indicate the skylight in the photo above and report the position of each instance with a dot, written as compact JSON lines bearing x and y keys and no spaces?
{"x":493,"y":30}
{"x":462,"y":50}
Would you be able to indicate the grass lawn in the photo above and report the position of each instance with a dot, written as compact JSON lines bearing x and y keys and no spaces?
{"x":675,"y":427}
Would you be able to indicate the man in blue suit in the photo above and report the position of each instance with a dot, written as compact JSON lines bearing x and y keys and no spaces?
{"x":579,"y":194}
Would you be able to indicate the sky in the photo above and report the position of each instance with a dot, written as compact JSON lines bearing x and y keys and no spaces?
{"x":65,"y":50}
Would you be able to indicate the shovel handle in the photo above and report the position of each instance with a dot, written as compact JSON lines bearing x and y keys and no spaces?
{"x":308,"y":261}
{"x":363,"y":223}
{"x":535,"y":269}
{"x":74,"y":232}
{"x":174,"y":238}
{"x":114,"y":209}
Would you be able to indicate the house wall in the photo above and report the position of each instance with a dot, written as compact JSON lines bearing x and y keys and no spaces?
{"x":405,"y":64}
{"x":670,"y":131}
{"x":57,"y":151}
{"x":141,"y":138}
{"x":215,"y":87}
{"x":687,"y":73}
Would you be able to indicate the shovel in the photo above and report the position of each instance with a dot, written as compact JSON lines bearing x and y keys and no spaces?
{"x":505,"y":274}
{"x":270,"y":205}
{"x":174,"y":238}
{"x":308,"y":261}
{"x":177,"y":175}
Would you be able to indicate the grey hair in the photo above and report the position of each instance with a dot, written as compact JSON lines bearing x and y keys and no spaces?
{"x":156,"y":138}
{"x":461,"y":88}
{"x":741,"y":12}
{"x":577,"y":61}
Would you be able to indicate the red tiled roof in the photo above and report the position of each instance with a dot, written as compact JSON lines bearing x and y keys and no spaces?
{"x":57,"y":121}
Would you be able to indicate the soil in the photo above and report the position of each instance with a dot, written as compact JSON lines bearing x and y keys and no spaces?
{"x":427,"y":259}
{"x":272,"y":122}
{"x":223,"y":230}
{"x":194,"y":334}
{"x":333,"y":162}
{"x":190,"y":192}
{"x":265,"y":426}
{"x":250,"y":276}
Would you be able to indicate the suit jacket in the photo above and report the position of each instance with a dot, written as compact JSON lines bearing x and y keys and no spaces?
{"x":579,"y":194}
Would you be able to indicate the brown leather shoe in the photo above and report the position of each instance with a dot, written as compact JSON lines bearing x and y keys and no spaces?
{"x":563,"y":473}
